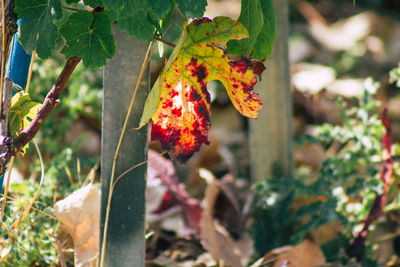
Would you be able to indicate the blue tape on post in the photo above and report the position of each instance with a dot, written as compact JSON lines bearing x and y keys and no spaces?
{"x":17,"y":68}
{"x":19,"y":61}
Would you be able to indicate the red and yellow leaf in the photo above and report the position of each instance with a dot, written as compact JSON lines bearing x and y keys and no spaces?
{"x":179,"y":104}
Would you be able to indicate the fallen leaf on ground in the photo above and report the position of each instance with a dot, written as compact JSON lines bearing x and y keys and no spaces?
{"x":271,"y":256}
{"x":304,"y":254}
{"x":80,"y":213}
{"x":312,"y":155}
{"x":215,"y":238}
{"x":175,"y":193}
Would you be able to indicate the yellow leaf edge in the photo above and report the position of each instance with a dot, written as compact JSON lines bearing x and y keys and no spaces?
{"x":153,"y":99}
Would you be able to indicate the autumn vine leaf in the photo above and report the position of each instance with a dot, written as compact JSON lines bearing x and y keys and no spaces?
{"x":179,"y":103}
{"x":23,"y":110}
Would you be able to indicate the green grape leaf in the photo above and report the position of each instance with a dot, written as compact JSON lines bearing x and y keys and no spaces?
{"x":89,"y":37}
{"x":265,"y":41}
{"x":125,"y":8}
{"x":251,"y":16}
{"x":259,"y":17}
{"x":159,"y":8}
{"x":38,"y":31}
{"x":93,"y":3}
{"x":138,"y":25}
{"x":71,"y":1}
{"x":192,"y":8}
{"x":23,"y":110}
{"x":132,"y":16}
{"x":179,"y":103}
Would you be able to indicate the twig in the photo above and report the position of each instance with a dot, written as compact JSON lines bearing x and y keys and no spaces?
{"x":3,"y":204}
{"x":164,"y":42}
{"x":56,"y":243}
{"x":6,"y":251}
{"x":357,"y":245}
{"x":134,"y":167}
{"x":28,"y":82}
{"x":33,"y":208}
{"x":51,"y":101}
{"x":3,"y":54}
{"x":10,"y":147}
{"x":69,"y":8}
{"x":7,"y":95}
{"x":63,"y":263}
{"x":8,"y":28}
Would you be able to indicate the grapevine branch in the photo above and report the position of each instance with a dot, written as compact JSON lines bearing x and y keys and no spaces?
{"x":8,"y":28}
{"x":164,"y":41}
{"x":357,"y":245}
{"x":10,"y":146}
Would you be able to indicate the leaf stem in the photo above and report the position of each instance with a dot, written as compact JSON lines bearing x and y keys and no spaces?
{"x":164,"y":42}
{"x":30,"y":205}
{"x":69,"y":8}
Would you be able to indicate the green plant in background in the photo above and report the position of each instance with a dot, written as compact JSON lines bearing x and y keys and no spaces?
{"x":343,"y":190}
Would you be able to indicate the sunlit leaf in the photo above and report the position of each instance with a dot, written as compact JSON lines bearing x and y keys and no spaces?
{"x":179,"y":103}
{"x":23,"y":110}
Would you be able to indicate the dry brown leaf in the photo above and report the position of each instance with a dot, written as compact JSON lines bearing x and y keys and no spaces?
{"x":80,"y":213}
{"x":326,"y":232}
{"x":215,"y":238}
{"x":271,"y":256}
{"x":312,"y":155}
{"x":305,"y":254}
